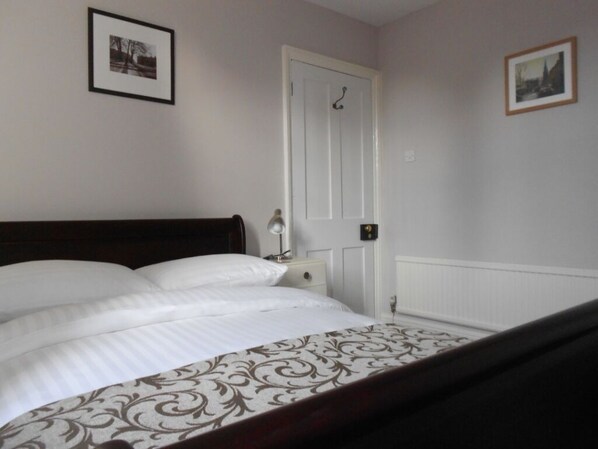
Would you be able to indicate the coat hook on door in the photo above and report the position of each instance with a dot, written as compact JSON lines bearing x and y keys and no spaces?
{"x":335,"y":104}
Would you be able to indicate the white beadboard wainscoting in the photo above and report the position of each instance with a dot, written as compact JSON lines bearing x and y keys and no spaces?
{"x":485,"y":297}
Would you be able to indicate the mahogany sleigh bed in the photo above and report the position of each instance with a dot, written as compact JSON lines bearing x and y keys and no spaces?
{"x":532,"y":386}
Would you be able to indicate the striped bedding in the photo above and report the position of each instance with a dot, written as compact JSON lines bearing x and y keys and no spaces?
{"x":73,"y":349}
{"x":75,"y":366}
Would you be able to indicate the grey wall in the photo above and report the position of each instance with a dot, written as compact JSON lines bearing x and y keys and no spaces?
{"x":487,"y":187}
{"x":66,"y":153}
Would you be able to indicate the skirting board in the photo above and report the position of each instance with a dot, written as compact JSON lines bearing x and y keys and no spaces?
{"x":487,"y":296}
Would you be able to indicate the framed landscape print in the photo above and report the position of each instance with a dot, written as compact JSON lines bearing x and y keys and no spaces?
{"x":130,"y":58}
{"x":541,"y":77}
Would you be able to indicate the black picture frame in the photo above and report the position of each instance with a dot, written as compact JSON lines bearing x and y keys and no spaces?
{"x":130,"y":58}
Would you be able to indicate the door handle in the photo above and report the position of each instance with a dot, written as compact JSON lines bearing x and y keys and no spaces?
{"x":368,"y":231}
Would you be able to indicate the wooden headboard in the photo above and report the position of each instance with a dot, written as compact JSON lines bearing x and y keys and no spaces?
{"x":133,"y":243}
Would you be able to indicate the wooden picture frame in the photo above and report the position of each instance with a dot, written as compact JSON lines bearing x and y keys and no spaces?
{"x":541,"y":77}
{"x":130,"y":58}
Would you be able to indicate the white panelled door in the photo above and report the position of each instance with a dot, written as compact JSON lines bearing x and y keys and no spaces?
{"x":332,"y":168}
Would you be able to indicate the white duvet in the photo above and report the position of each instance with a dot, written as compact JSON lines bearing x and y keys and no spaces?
{"x":73,"y":349}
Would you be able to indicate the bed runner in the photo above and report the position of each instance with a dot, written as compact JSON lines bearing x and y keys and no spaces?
{"x":175,"y":405}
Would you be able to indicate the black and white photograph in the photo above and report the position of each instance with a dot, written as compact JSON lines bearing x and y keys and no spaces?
{"x":130,"y":58}
{"x":541,"y":77}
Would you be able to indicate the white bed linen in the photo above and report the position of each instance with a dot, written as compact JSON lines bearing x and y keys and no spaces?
{"x":69,"y":350}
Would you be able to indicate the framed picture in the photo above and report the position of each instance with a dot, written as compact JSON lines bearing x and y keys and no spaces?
{"x":130,"y":58}
{"x":541,"y":77}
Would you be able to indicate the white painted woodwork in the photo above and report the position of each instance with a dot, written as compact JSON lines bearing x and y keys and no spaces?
{"x":308,"y":274}
{"x":487,"y":296}
{"x":332,"y":169}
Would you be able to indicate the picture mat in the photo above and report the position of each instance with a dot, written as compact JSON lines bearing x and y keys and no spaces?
{"x":567,"y":95}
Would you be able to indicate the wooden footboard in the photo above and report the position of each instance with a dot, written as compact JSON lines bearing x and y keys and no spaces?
{"x":532,"y":386}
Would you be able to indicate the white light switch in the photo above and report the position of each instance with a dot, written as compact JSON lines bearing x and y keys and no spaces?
{"x":409,"y":156}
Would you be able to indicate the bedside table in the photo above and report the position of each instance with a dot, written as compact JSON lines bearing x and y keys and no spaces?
{"x":309,"y":274}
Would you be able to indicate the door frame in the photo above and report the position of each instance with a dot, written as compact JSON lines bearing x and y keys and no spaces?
{"x":295,"y":54}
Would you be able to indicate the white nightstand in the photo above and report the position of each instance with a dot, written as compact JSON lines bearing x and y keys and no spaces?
{"x":309,"y":274}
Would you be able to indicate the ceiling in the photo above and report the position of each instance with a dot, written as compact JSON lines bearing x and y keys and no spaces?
{"x":374,"y":12}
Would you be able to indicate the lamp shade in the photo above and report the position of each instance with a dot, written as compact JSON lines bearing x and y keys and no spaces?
{"x":276,"y":224}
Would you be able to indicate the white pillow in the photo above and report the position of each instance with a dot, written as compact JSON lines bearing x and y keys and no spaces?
{"x":218,"y":270}
{"x":30,"y":286}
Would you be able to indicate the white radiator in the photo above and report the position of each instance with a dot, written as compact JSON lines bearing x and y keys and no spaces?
{"x":487,"y":296}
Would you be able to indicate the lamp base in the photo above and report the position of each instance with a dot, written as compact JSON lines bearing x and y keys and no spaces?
{"x":280,"y":258}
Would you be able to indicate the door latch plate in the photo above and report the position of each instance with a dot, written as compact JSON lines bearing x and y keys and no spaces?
{"x":368,"y":231}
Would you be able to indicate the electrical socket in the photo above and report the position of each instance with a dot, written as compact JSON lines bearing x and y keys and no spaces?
{"x":393,"y":304}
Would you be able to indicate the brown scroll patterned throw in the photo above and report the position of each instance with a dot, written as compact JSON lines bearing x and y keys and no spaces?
{"x":165,"y":408}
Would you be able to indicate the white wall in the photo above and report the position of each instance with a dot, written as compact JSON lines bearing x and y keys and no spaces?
{"x":66,"y":153}
{"x":487,"y":187}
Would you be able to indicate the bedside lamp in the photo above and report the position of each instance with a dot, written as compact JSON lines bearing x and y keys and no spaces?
{"x":276,"y":226}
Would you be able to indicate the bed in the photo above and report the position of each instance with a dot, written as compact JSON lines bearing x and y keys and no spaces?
{"x":531,"y":386}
